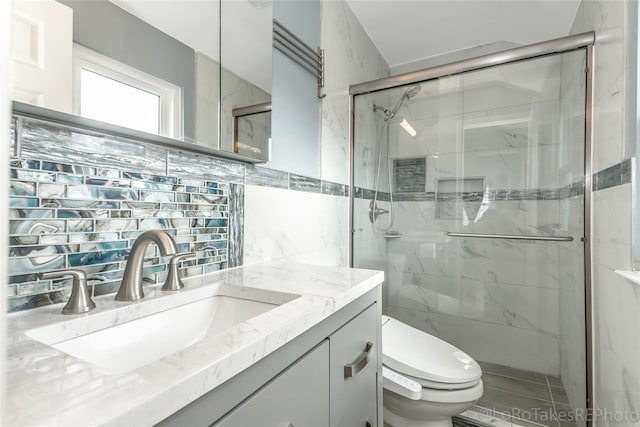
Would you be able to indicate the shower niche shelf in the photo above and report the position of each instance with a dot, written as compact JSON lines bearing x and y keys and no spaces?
{"x":457,"y":198}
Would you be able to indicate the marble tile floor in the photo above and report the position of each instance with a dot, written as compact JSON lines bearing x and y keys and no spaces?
{"x":514,"y":397}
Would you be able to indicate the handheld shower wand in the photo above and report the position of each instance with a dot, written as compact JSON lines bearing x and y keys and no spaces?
{"x":374,"y":210}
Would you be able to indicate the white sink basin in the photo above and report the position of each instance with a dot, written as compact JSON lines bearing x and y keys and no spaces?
{"x":133,"y":343}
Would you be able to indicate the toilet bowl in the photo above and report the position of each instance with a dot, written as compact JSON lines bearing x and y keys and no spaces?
{"x":426,"y":380}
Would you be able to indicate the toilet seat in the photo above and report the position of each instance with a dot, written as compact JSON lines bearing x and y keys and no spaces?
{"x":441,"y":386}
{"x":432,"y":362}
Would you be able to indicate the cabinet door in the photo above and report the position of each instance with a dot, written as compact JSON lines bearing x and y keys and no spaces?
{"x":298,"y":397}
{"x":353,"y":365}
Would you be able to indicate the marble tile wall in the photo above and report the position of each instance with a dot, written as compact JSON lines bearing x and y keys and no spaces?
{"x":314,"y":227}
{"x":237,"y":92}
{"x":298,"y":225}
{"x":507,"y":129}
{"x":497,"y":288}
{"x":616,"y":326}
{"x":351,"y":57}
{"x":616,"y":314}
{"x":572,"y":326}
{"x":458,"y":55}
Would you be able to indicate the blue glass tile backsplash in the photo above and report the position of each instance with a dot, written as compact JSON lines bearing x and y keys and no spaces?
{"x":79,"y":199}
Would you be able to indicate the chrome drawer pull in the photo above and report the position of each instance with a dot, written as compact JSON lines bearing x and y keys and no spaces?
{"x":351,"y":369}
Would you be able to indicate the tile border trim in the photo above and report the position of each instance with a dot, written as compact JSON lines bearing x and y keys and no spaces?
{"x":613,"y":176}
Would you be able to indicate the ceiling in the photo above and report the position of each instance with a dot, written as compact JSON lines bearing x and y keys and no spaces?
{"x":406,"y":31}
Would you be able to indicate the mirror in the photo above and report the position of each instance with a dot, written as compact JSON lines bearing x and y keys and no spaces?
{"x":162,"y":56}
{"x":296,"y":95}
{"x":245,"y":54}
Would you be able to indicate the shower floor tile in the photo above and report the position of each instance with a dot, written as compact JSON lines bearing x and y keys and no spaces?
{"x":514,"y":397}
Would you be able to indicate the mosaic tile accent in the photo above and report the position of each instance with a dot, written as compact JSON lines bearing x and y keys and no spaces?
{"x":410,"y":175}
{"x":414,"y":197}
{"x":573,"y":190}
{"x":334,"y":189}
{"x":265,"y":177}
{"x":367,"y":194}
{"x":625,"y":176}
{"x":69,"y":209}
{"x":304,"y":183}
{"x":186,"y":163}
{"x":613,"y":176}
{"x":98,"y":152}
{"x":236,"y":218}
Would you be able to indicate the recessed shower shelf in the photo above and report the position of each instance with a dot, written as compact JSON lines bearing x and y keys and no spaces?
{"x":392,"y":235}
{"x":632,"y":276}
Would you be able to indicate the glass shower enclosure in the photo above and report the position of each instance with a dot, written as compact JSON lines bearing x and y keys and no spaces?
{"x":469,"y":194}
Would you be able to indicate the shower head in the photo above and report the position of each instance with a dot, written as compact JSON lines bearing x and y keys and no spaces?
{"x":407,"y":94}
{"x":412,"y":91}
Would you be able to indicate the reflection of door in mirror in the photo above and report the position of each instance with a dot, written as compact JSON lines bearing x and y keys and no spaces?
{"x":155,"y":46}
{"x":41,"y":54}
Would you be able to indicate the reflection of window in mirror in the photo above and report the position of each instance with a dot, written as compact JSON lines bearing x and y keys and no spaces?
{"x":110,"y":91}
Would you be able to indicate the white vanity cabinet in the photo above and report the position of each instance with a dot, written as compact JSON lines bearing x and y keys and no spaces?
{"x":298,"y":396}
{"x":328,"y":376}
{"x":354,"y":369}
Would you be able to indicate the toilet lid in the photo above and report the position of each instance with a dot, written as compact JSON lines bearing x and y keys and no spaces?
{"x":418,"y":354}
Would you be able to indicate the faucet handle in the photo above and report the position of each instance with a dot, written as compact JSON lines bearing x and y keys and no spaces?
{"x":80,"y":300}
{"x":174,"y":281}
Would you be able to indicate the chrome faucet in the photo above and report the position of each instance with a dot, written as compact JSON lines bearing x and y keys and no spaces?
{"x":80,"y":299}
{"x":131,"y":286}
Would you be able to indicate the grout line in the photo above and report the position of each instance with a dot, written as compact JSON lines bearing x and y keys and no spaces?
{"x":499,"y":415}
{"x":551,"y":393}
{"x":553,"y":402}
{"x":517,"y":378}
{"x":513,"y":393}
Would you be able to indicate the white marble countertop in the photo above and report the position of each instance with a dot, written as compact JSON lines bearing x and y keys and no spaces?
{"x":49,"y":387}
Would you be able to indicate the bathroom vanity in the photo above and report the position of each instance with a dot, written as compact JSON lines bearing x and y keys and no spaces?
{"x":308,"y":355}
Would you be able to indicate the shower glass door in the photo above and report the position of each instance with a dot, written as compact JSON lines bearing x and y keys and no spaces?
{"x":444,"y":186}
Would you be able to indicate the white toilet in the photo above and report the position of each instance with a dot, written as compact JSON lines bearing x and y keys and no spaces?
{"x":426,"y":380}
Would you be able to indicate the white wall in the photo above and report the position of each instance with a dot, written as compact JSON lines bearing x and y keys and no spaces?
{"x":313,"y":228}
{"x":351,"y":58}
{"x":291,"y":225}
{"x":457,"y":55}
{"x":616,"y":301}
